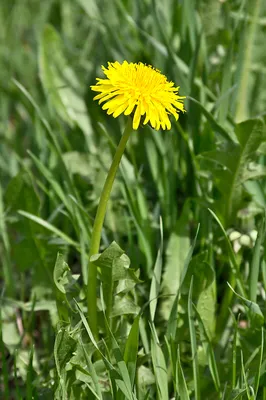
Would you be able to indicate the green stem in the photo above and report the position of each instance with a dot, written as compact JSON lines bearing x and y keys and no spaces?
{"x":97,"y":229}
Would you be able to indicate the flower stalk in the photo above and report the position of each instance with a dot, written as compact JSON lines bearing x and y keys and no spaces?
{"x":97,"y":229}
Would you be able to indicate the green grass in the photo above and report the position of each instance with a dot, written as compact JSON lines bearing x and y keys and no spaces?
{"x":182,"y":267}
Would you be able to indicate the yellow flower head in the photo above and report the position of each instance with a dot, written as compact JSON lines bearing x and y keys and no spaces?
{"x":139,"y":90}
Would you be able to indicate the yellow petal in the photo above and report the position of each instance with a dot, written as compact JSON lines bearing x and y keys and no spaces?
{"x":130,"y":108}
{"x":136,"y":119}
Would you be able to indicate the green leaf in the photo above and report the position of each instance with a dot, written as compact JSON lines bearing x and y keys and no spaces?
{"x":232,"y":162}
{"x":206,"y":307}
{"x":202,"y":272}
{"x":67,"y":287}
{"x":63,"y":349}
{"x":255,"y":171}
{"x":114,"y":263}
{"x":255,"y":190}
{"x":63,"y":278}
{"x":114,"y":269}
{"x":128,"y":283}
{"x":124,"y":305}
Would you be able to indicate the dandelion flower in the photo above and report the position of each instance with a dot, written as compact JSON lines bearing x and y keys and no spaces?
{"x":141,"y":91}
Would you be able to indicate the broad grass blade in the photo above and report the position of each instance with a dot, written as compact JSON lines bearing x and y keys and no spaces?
{"x":131,"y":349}
{"x":156,"y":279}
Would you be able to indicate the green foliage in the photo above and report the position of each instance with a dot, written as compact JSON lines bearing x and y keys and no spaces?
{"x":181,"y":268}
{"x":232,"y":166}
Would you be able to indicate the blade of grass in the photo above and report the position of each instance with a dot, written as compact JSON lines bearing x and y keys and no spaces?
{"x":131,"y":349}
{"x":156,"y":278}
{"x":215,"y":126}
{"x":159,"y":366}
{"x":18,"y":394}
{"x":207,"y":345}
{"x":49,"y":227}
{"x":234,"y":353}
{"x":143,"y":241}
{"x":242,"y":108}
{"x":125,"y":383}
{"x":182,"y":385}
{"x":234,"y":279}
{"x":259,"y":372}
{"x":228,"y":244}
{"x":172,"y":323}
{"x":6,"y":261}
{"x":193,"y":63}
{"x":52,"y":137}
{"x":93,"y":373}
{"x":227,"y":74}
{"x":86,"y":326}
{"x":193,"y":341}
{"x":189,"y":23}
{"x":255,"y":314}
{"x":4,"y":373}
{"x":188,"y":258}
{"x":29,"y":379}
{"x":245,"y":376}
{"x":255,"y":263}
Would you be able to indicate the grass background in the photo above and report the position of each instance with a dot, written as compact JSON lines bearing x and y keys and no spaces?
{"x":186,"y":214}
